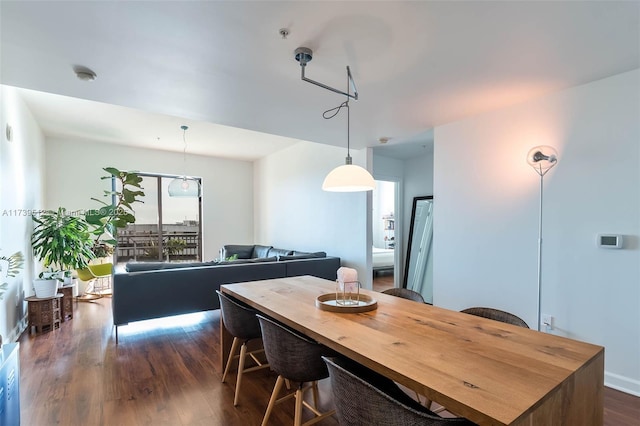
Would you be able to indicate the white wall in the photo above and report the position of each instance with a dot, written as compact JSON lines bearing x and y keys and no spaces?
{"x":75,"y":168}
{"x":486,"y":216}
{"x":292,"y":210}
{"x":21,"y":192}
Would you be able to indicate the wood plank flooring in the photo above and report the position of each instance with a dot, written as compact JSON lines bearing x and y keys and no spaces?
{"x":383,"y":281}
{"x":166,"y":375}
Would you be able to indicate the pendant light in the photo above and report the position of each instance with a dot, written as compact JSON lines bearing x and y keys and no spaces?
{"x":184,"y":186}
{"x":349,"y":177}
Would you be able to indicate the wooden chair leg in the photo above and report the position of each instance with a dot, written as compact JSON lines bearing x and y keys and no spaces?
{"x":272,"y":400}
{"x":314,"y":388}
{"x":234,"y":347}
{"x":297,"y":417}
{"x":243,"y":355}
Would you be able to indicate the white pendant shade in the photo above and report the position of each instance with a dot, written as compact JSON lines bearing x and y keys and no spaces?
{"x":348,"y":178}
{"x":184,"y":187}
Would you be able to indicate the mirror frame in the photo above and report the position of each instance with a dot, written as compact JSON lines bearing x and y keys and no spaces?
{"x":410,"y":239}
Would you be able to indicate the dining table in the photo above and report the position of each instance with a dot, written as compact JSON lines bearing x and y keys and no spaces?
{"x":489,"y":372}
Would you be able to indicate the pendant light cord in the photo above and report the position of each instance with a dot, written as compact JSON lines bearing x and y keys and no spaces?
{"x":330,"y":113}
{"x":184,"y":152}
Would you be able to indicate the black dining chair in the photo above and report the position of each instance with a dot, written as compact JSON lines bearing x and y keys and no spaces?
{"x":496,"y":314}
{"x":364,"y":397}
{"x":243,"y":325}
{"x":296,"y":358}
{"x":405,"y":293}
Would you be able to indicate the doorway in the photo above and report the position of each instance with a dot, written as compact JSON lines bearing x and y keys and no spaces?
{"x":385,"y":234}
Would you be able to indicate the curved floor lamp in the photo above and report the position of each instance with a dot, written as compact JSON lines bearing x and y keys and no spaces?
{"x":542,"y":159}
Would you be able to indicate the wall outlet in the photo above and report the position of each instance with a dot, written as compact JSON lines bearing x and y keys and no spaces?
{"x":547,"y":322}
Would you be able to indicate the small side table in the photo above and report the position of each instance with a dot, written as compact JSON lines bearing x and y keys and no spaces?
{"x":67,"y":302}
{"x":44,"y":314}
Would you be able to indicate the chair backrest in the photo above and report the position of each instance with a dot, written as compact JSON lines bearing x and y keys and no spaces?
{"x":405,"y":293}
{"x":291,"y":355}
{"x":85,"y":274}
{"x":101,"y":269}
{"x":496,"y":314}
{"x":239,"y":320}
{"x":364,"y":397}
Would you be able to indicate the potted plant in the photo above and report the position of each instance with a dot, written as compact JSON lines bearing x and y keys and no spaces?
{"x":10,"y":266}
{"x":62,"y":242}
{"x":118,"y":214}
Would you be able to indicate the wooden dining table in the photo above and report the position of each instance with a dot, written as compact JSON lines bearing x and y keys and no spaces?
{"x":490,"y":372}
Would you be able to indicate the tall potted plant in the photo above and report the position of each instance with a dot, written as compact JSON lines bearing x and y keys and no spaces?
{"x":119,"y":212}
{"x":61,"y":241}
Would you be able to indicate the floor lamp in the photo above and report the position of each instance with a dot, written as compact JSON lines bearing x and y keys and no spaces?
{"x":542,"y":159}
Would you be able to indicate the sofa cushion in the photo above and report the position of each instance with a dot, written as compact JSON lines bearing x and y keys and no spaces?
{"x":264,"y":259}
{"x":243,"y":251}
{"x":154,"y":266}
{"x":260,"y":251}
{"x":302,"y":255}
{"x":279,"y":252}
{"x":234,"y":262}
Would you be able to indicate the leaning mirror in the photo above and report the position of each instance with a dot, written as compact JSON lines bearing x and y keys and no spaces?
{"x":418,"y":271}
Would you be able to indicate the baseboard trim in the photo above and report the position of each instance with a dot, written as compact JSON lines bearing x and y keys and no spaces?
{"x":20,"y":327}
{"x":622,"y":383}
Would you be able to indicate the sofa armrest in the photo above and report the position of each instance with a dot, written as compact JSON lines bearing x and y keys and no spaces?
{"x":321,"y":267}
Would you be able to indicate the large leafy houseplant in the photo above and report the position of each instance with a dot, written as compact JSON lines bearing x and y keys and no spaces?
{"x":61,"y":240}
{"x":118,"y":213}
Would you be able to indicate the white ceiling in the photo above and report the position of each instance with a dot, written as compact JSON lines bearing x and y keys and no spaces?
{"x":416,"y":65}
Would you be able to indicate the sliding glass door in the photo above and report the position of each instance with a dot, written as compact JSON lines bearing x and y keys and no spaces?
{"x":166,"y":228}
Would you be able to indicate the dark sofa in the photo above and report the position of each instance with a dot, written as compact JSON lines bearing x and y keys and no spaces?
{"x":155,"y":290}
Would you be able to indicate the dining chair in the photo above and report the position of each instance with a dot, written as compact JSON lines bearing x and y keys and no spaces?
{"x":243,"y":325}
{"x":496,"y":314}
{"x":405,"y":293}
{"x":364,"y":397}
{"x":296,"y":358}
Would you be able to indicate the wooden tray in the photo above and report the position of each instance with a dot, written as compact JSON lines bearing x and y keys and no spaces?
{"x":327,"y":302}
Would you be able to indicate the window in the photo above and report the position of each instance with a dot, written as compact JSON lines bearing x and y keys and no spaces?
{"x":166,"y":228}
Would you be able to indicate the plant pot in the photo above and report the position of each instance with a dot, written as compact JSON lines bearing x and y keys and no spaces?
{"x":45,"y":288}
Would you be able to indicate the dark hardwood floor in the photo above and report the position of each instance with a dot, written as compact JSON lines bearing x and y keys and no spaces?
{"x":165,"y":375}
{"x":383,"y":280}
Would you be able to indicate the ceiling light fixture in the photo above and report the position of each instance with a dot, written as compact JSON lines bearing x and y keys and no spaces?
{"x":184,"y":186}
{"x":349,"y":177}
{"x":83,"y":73}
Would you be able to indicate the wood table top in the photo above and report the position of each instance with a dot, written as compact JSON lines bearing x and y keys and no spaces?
{"x":487,"y":371}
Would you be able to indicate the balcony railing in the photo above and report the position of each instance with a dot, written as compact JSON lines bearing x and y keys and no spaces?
{"x":141,"y":246}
